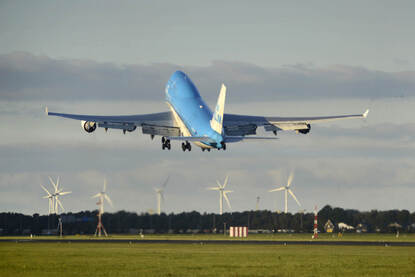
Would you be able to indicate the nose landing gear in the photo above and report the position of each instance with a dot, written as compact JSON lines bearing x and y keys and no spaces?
{"x":187,"y":146}
{"x":223,"y":146}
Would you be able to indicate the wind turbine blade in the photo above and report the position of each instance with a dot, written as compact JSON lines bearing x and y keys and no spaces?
{"x":96,"y":195}
{"x":56,"y":205}
{"x":65,"y":192}
{"x":53,"y":183}
{"x":45,"y":190}
{"x":219,"y":184}
{"x":105,"y":185}
{"x":213,"y":188}
{"x":165,"y":182}
{"x":60,"y":205}
{"x":226,"y":181}
{"x":108,"y":200}
{"x":277,"y":189}
{"x":57,"y":183}
{"x":290,"y":178}
{"x":295,"y":198}
{"x":227,"y":200}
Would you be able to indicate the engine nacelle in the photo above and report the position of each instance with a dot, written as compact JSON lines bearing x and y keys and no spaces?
{"x":305,"y":131}
{"x":88,"y":126}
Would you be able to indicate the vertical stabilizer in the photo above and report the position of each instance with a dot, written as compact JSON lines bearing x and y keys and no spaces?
{"x":217,"y":119}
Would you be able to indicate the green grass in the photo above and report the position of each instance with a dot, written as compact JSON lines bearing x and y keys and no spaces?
{"x":288,"y":237}
{"x":124,"y":259}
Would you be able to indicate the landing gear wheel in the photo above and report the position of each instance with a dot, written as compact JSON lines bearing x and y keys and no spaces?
{"x":224,"y":146}
{"x":165,"y":143}
{"x":189,"y":146}
{"x":183,"y":146}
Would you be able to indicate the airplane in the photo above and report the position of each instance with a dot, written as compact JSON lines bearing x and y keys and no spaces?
{"x":191,"y":120}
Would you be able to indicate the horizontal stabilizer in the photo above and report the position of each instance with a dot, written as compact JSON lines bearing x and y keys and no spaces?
{"x":203,"y":139}
{"x":231,"y":139}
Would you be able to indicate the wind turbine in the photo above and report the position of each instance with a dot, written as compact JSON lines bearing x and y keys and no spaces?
{"x":222,"y":194}
{"x":287,"y":190}
{"x":54,"y":202}
{"x":58,"y":192}
{"x":102,"y":196}
{"x":160,"y":195}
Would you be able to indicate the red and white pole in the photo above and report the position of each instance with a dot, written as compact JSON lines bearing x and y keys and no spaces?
{"x":315,"y":234}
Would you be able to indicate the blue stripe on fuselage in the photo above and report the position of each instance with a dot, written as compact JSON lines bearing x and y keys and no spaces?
{"x":185,"y":99}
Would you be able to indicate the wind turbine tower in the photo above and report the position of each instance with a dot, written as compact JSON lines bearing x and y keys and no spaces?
{"x":51,"y":204}
{"x":101,"y":197}
{"x":222,"y":194}
{"x":160,"y":195}
{"x":287,"y":191}
{"x":50,"y":197}
{"x":257,"y":203}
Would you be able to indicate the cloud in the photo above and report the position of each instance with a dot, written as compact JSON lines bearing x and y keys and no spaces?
{"x":24,"y":76}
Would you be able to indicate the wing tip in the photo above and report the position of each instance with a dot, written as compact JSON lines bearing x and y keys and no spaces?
{"x":365,"y":114}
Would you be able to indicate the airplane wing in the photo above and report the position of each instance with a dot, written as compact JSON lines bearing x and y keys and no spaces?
{"x":241,"y":125}
{"x":161,"y":124}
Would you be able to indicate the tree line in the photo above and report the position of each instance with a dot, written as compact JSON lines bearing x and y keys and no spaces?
{"x":123,"y":222}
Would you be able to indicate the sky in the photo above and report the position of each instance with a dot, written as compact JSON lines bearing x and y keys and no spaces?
{"x":279,"y":58}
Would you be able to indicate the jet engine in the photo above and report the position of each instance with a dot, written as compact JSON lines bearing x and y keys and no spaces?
{"x":88,"y":126}
{"x":304,"y":131}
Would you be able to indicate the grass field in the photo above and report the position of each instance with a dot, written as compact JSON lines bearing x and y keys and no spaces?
{"x":125,"y":259}
{"x":325,"y":237}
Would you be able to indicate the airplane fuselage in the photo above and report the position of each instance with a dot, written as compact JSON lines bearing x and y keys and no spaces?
{"x":191,"y":113}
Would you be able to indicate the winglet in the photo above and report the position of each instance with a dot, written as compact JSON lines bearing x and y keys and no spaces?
{"x":46,"y":110}
{"x":366,"y":113}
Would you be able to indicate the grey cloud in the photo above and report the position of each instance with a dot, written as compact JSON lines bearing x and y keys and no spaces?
{"x":24,"y":76}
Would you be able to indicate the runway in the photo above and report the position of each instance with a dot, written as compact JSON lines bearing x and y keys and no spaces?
{"x":223,"y":242}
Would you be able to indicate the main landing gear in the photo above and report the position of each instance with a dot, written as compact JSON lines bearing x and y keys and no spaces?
{"x":165,"y":143}
{"x":187,"y":146}
{"x":203,"y":149}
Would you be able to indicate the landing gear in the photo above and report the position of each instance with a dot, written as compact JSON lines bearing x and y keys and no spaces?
{"x":165,"y":143}
{"x":203,"y":149}
{"x":187,"y":146}
{"x":223,"y":146}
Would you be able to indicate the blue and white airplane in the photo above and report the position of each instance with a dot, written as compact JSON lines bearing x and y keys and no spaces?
{"x":191,"y":120}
